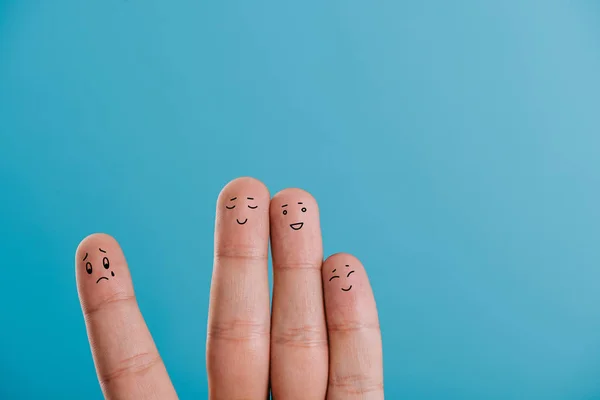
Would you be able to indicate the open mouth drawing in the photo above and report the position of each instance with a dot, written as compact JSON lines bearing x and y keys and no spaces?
{"x":297,"y":226}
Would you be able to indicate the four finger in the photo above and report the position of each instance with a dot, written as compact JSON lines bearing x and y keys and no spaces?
{"x":310,"y":304}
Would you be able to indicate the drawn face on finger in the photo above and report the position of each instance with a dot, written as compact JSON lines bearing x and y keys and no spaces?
{"x":98,"y":266}
{"x":244,"y":210}
{"x":297,"y":221}
{"x":342,"y":276}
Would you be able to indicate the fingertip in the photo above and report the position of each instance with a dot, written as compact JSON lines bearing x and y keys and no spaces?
{"x":345,"y":280}
{"x":93,"y":240}
{"x":343,"y":258}
{"x":244,"y":183}
{"x":242,"y":219}
{"x":338,"y":260}
{"x":292,"y":192}
{"x":96,"y":242}
{"x":296,"y":228}
{"x":295,"y":205}
{"x":101,"y":269}
{"x":288,"y":195}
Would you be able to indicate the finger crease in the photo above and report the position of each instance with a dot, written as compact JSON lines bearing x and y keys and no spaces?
{"x":304,"y":336}
{"x":356,"y":384}
{"x":240,"y":254}
{"x":134,"y":365}
{"x":303,"y":266}
{"x":238,"y":330}
{"x":117,"y":298}
{"x":352,"y":327}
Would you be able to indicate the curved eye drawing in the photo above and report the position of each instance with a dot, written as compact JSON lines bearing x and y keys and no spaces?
{"x":349,"y":273}
{"x":88,"y":267}
{"x":230,"y":208}
{"x":105,"y":262}
{"x":284,"y":212}
{"x":303,"y":209}
{"x":333,"y":277}
{"x":252,"y":207}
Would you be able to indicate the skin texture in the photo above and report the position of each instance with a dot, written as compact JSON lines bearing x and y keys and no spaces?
{"x":321,"y":340}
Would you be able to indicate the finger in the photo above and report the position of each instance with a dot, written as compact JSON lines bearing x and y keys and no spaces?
{"x":298,"y":332}
{"x":355,"y":364}
{"x":127,"y":362}
{"x":238,"y":319}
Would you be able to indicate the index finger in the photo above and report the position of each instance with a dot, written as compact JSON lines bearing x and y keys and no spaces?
{"x":127,"y":362}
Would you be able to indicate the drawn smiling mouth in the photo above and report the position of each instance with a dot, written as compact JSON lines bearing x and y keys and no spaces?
{"x":241,"y":223}
{"x":297,"y":226}
{"x":345,"y":290}
{"x":102,"y":277}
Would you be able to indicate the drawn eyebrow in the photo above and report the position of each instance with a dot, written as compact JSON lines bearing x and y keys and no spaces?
{"x":86,"y":254}
{"x":250,"y":198}
{"x":347,"y":265}
{"x":102,"y":250}
{"x":300,"y":202}
{"x":333,"y":277}
{"x":334,"y":270}
{"x":285,"y":205}
{"x":233,"y":199}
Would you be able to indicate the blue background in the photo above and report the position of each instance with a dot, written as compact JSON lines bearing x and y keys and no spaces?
{"x":453,"y":147}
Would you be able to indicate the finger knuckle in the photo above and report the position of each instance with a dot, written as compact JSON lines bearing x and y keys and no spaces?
{"x":134,"y":365}
{"x":355,"y":383}
{"x":352,"y":326}
{"x":301,"y":336}
{"x":114,"y":300}
{"x":238,"y":330}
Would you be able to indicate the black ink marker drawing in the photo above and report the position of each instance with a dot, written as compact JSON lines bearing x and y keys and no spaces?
{"x":233,"y":206}
{"x":252,"y":207}
{"x":347,"y":276}
{"x":296,"y":225}
{"x":105,"y":264}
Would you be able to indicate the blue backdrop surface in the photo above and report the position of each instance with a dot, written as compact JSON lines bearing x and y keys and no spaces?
{"x":452,"y":146}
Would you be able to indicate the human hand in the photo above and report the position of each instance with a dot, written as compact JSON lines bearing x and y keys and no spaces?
{"x":322,"y":339}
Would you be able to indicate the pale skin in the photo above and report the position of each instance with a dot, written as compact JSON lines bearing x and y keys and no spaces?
{"x":321,"y":340}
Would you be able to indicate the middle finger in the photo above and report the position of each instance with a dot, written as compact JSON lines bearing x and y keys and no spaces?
{"x":299,"y":352}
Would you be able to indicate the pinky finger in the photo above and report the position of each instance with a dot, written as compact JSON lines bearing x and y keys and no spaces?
{"x":356,"y":364}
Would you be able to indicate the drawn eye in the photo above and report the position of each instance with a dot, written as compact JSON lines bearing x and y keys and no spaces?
{"x":105,"y":262}
{"x":284,"y":212}
{"x":333,"y":278}
{"x":88,"y":267}
{"x":303,"y":209}
{"x":230,"y":208}
{"x":349,"y":273}
{"x":252,"y":207}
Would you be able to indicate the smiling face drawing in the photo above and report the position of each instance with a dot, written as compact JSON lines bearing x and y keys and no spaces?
{"x":89,"y":268}
{"x":296,"y":225}
{"x":345,"y":275}
{"x":232,"y":204}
